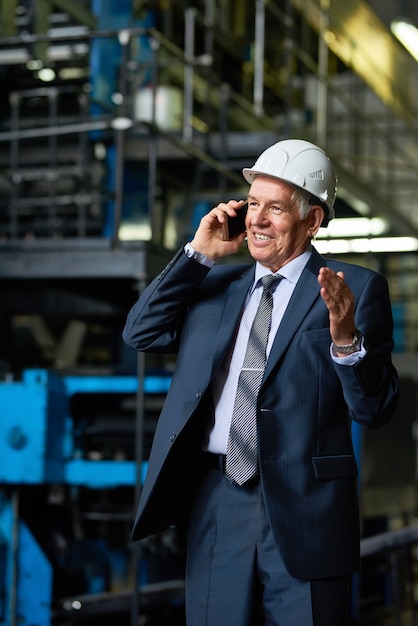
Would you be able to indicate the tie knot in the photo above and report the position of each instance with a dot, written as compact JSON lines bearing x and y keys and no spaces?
{"x":269,"y":281}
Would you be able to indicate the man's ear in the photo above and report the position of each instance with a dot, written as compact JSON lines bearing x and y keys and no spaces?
{"x":315,"y":219}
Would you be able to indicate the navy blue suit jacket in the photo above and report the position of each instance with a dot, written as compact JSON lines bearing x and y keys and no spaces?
{"x":305,"y":406}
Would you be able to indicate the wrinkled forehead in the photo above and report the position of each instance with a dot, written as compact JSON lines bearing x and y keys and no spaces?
{"x":270,"y":184}
{"x":272,"y":189}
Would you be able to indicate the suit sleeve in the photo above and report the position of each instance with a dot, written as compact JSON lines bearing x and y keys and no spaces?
{"x":371,"y":386}
{"x":155,"y":321}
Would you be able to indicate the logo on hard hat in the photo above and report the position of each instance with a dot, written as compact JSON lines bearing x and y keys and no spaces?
{"x":318,"y":175}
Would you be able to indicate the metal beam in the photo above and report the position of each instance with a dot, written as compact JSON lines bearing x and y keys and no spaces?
{"x":399,"y":224}
{"x":79,"y":258}
{"x":8,"y":18}
{"x":358,"y":37}
{"x":75,"y":10}
{"x":41,"y":26}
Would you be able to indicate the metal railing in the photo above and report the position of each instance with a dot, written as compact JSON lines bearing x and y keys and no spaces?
{"x":302,"y":97}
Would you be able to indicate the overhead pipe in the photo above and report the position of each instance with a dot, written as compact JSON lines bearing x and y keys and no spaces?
{"x":52,"y":159}
{"x":322,"y":91}
{"x":153,"y":210}
{"x":82,"y":164}
{"x":209,"y":24}
{"x":223,"y":128}
{"x":62,"y":129}
{"x":259,"y":45}
{"x":124,"y":39}
{"x":287,"y":64}
{"x":189,"y":35}
{"x":14,"y":163}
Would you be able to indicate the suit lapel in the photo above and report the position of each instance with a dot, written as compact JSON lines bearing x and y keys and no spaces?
{"x":304,"y":295}
{"x":233,"y":305}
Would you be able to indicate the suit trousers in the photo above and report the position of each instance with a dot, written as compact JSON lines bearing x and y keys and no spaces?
{"x":235,"y":575}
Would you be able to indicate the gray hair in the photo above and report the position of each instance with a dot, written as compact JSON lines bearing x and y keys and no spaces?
{"x":304,"y":203}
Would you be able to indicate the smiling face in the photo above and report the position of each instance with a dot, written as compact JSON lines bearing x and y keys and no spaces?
{"x":276,"y":234}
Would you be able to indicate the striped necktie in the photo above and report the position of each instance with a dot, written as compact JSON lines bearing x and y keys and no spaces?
{"x":241,"y":457}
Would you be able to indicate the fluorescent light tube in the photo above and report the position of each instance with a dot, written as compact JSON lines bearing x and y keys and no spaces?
{"x":407,"y":33}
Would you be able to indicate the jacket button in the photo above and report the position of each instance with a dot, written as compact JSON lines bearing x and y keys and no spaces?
{"x":172,"y":437}
{"x":199,"y":394}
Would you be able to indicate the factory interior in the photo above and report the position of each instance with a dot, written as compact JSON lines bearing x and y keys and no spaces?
{"x":122,"y":122}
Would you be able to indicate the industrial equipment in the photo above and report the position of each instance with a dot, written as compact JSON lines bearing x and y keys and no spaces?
{"x":67,"y":475}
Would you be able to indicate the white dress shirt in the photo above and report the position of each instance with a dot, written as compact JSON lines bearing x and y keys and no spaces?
{"x":225,"y":383}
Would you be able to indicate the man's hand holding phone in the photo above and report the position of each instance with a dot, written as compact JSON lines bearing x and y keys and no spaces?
{"x":220,"y":234}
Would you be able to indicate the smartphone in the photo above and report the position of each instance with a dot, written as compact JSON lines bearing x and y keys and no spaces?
{"x":234,"y":226}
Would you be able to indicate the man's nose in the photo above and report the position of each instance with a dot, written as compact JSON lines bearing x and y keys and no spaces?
{"x":258,"y":214}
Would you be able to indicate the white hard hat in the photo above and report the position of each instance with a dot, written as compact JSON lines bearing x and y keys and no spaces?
{"x":303,"y":165}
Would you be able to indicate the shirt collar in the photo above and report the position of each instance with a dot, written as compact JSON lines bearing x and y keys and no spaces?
{"x":291,"y":271}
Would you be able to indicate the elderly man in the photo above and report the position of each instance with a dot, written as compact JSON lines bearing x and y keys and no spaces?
{"x":253,"y":447}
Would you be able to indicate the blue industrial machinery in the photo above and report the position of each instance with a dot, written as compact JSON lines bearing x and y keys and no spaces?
{"x":47,"y":442}
{"x":37,"y":447}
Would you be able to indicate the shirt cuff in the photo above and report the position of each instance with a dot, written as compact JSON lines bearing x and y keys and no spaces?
{"x":350,"y":359}
{"x":198,"y":256}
